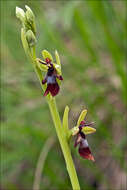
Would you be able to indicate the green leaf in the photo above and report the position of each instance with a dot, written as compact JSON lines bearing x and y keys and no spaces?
{"x":65,"y":120}
{"x":46,"y":54}
{"x":81,"y":117}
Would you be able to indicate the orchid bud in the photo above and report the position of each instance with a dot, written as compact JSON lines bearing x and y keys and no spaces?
{"x":30,"y":18}
{"x":20,"y":14}
{"x":31,"y":39}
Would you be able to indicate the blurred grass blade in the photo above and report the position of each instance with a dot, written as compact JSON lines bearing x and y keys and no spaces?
{"x":41,"y":162}
{"x":82,"y":28}
{"x":118,"y":54}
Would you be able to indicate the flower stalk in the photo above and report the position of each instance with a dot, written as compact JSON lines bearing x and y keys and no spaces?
{"x":28,"y":40}
{"x":51,"y":85}
{"x":58,"y":126}
{"x":64,"y":144}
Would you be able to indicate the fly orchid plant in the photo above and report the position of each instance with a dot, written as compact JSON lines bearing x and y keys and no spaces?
{"x":51,"y":86}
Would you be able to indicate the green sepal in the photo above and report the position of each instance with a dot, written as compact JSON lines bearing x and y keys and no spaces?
{"x":82,"y":116}
{"x":46,"y":54}
{"x":88,"y":130}
{"x":57,"y":58}
{"x":65,"y":120}
{"x":58,"y":69}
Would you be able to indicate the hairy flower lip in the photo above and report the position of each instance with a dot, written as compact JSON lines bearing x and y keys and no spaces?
{"x":83,"y":146}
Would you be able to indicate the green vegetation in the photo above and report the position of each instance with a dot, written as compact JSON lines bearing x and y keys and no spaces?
{"x":91,"y":39}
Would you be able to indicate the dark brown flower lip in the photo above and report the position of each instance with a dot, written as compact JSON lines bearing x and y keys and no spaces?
{"x":52,"y":88}
{"x":86,"y":153}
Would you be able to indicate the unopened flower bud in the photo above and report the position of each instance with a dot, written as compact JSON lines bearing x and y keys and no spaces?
{"x":30,"y":18}
{"x":20,"y":14}
{"x":29,"y":14}
{"x":31,"y":39}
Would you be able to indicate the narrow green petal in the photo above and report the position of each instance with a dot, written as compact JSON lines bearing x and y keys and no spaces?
{"x":81,"y":117}
{"x":46,"y":54}
{"x":41,"y":66}
{"x":57,"y":58}
{"x":88,"y":130}
{"x":65,"y":120}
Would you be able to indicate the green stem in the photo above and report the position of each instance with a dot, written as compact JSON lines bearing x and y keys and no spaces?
{"x":56,"y":118}
{"x":64,"y":145}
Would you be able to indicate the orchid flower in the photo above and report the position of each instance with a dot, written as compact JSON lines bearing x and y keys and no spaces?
{"x":81,"y":140}
{"x":53,"y":72}
{"x":80,"y":131}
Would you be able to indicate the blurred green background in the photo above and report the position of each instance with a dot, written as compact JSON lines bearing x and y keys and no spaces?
{"x":90,"y":37}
